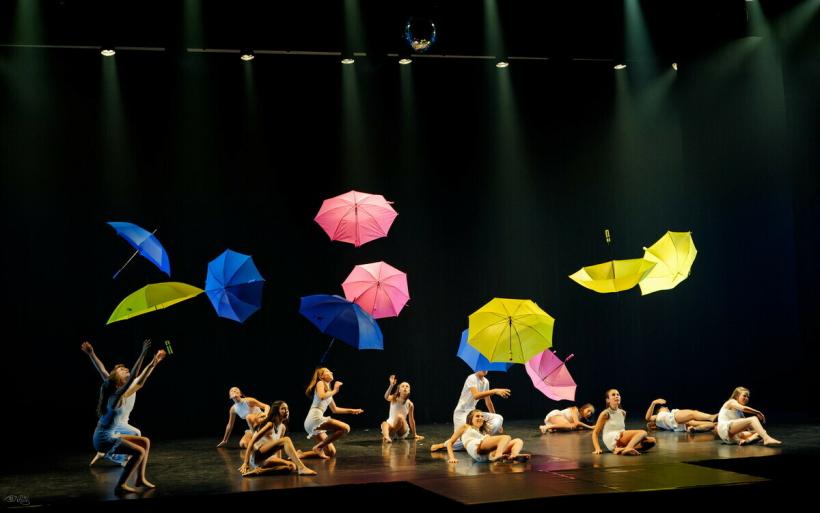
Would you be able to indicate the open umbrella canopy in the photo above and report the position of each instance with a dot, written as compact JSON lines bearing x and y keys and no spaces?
{"x":234,"y":285}
{"x":476,"y":360}
{"x":342,"y":319}
{"x":356,"y":217}
{"x":145,"y":243}
{"x":674,"y":253}
{"x":550,"y":375}
{"x":379,"y":288}
{"x":613,"y":276}
{"x":510,"y":330}
{"x":153,"y":297}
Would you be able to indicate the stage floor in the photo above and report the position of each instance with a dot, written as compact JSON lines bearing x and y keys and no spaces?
{"x":562,"y":466}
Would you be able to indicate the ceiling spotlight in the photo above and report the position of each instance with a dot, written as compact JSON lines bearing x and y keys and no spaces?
{"x":675,"y":66}
{"x":619,"y":66}
{"x":348,"y":60}
{"x":246,"y":55}
{"x":405,"y":60}
{"x":502,"y":64}
{"x":107,"y":51}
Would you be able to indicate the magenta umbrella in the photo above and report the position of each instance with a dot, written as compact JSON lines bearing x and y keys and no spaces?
{"x":550,"y":375}
{"x":356,"y":217}
{"x":380,"y":289}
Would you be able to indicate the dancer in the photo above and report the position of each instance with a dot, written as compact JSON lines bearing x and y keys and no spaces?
{"x":268,"y":441}
{"x":241,"y":407}
{"x":120,"y":385}
{"x":678,"y":420}
{"x":122,"y":424}
{"x":316,"y":424}
{"x":568,"y":419}
{"x":479,"y":444}
{"x":477,"y":387}
{"x":401,"y":422}
{"x":734,"y":428}
{"x":616,"y":437}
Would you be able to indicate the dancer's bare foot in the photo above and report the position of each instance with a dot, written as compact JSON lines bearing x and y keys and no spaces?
{"x":543,"y":429}
{"x":494,"y":456}
{"x":145,"y":483}
{"x":749,"y":440}
{"x":387,"y":440}
{"x":521,"y":457}
{"x":95,"y":458}
{"x":304,"y":471}
{"x":772,"y":441}
{"x":124,"y":488}
{"x":320,"y":451}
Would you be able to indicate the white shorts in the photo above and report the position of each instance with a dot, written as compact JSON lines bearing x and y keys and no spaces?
{"x":472,"y":450}
{"x":723,"y":431}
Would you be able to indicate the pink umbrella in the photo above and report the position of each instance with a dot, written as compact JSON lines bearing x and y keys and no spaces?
{"x":380,"y":289}
{"x":551,"y":376}
{"x":356,"y":217}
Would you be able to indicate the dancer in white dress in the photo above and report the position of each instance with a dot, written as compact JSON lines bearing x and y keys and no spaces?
{"x":401,"y":421}
{"x":267,"y":443}
{"x":241,"y":407}
{"x":678,"y":420}
{"x":479,"y":444}
{"x":477,"y":387}
{"x":734,"y":428}
{"x":611,"y":427}
{"x":568,"y":419}
{"x":316,"y":424}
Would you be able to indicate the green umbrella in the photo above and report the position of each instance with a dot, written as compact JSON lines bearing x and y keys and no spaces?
{"x":153,"y":297}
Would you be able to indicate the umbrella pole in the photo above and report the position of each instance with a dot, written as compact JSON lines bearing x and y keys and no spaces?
{"x":324,"y":356}
{"x":137,"y":252}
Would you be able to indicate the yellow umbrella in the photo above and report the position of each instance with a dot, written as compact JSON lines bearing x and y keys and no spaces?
{"x":674,"y":254}
{"x":153,"y":297}
{"x":510,"y":330}
{"x":613,"y":276}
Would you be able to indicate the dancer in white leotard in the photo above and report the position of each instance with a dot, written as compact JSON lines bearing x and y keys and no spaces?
{"x":479,"y":444}
{"x":268,"y":441}
{"x":242,"y":406}
{"x":734,"y":428}
{"x":678,"y":420}
{"x":316,"y":424}
{"x":401,"y":421}
{"x":612,"y":429}
{"x":568,"y":419}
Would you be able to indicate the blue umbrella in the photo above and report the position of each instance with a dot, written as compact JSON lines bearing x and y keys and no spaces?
{"x":342,"y":319}
{"x":234,"y":285}
{"x":145,"y":243}
{"x":476,"y":360}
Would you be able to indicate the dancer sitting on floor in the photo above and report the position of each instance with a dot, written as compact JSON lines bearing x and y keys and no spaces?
{"x":477,"y":387}
{"x":268,"y":441}
{"x":679,"y":420}
{"x":616,"y":437}
{"x":120,"y":385}
{"x":241,"y":407}
{"x":568,"y":419}
{"x":479,"y":444}
{"x":316,"y":424}
{"x":401,"y":422}
{"x":734,"y":428}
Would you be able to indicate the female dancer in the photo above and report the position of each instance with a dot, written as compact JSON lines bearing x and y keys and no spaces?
{"x":241,"y":407}
{"x":268,"y":440}
{"x":734,"y":428}
{"x":401,"y":422}
{"x":678,"y":420}
{"x":568,"y":419}
{"x":479,"y":444}
{"x":316,"y":424}
{"x":616,"y":437}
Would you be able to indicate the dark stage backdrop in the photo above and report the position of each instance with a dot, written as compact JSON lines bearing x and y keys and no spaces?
{"x":504,"y":181}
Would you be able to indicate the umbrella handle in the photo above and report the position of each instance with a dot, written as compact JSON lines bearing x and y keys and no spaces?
{"x":137,"y":252}
{"x":324,"y":356}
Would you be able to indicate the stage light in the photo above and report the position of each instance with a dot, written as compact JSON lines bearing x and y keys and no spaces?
{"x":619,"y":66}
{"x":405,"y":60}
{"x":675,"y":66}
{"x":348,"y":60}
{"x":246,"y":54}
{"x":502,"y":63}
{"x":108,"y":51}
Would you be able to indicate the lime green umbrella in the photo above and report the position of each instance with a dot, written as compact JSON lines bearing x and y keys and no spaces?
{"x":674,"y":253}
{"x":510,"y":330}
{"x":153,"y":297}
{"x":613,"y":276}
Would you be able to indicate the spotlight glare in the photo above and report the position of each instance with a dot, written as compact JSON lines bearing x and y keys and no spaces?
{"x":675,"y":66}
{"x":405,"y":61}
{"x":247,"y":57}
{"x":107,"y":52}
{"x":619,"y":66}
{"x":348,"y":60}
{"x":502,"y":64}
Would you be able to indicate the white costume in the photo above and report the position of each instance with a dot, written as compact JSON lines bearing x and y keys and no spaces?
{"x":398,"y":408}
{"x":666,"y":420}
{"x":613,"y":428}
{"x":466,"y":404}
{"x":472,"y":440}
{"x":316,"y":413}
{"x":725,"y":419}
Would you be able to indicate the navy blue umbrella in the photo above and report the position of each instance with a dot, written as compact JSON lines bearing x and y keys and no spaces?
{"x":145,"y":243}
{"x":476,"y":360}
{"x":342,"y":319}
{"x":234,"y":285}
